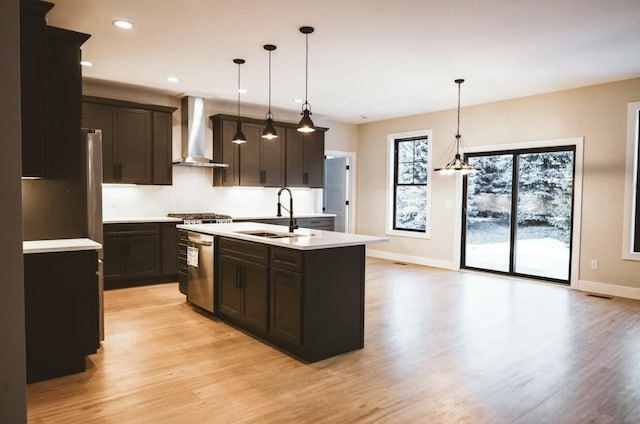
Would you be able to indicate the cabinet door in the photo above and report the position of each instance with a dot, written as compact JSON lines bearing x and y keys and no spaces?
{"x":294,"y":155}
{"x":32,"y":86}
{"x":142,"y":256}
{"x":254,"y":282}
{"x":114,"y":250}
{"x":169,"y":249}
{"x":225,"y":151}
{"x":162,"y":149}
{"x":134,"y":146}
{"x":313,"y":157}
{"x":250,"y":171}
{"x":272,"y":160}
{"x":286,"y":306}
{"x":102,"y":117}
{"x":229,"y":289}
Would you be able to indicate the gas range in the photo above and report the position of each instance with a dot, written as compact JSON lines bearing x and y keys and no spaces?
{"x":202,"y":218}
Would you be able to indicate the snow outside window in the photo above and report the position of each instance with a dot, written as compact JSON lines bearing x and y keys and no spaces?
{"x":409,"y":194}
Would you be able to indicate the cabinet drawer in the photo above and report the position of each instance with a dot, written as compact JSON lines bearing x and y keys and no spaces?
{"x":288,"y":259}
{"x":133,"y":229}
{"x":322,"y":223}
{"x":246,"y":250}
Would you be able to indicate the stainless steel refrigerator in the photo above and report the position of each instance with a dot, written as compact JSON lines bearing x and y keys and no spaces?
{"x":92,"y":152}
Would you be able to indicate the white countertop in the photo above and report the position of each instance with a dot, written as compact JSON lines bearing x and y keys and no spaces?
{"x":140,"y":219}
{"x":59,"y":245}
{"x":297,"y":215}
{"x":308,"y":239}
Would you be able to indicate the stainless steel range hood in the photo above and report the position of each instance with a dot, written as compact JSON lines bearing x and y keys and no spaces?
{"x":193,"y":135}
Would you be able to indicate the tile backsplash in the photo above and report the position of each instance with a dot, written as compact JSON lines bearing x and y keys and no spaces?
{"x":192,"y":192}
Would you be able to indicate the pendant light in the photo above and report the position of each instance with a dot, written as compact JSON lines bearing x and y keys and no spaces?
{"x":269,"y":132}
{"x":306,"y":124}
{"x":457,"y":165}
{"x":239,"y":136}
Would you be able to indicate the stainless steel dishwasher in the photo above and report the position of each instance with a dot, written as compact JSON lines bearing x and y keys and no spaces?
{"x":200,"y":281}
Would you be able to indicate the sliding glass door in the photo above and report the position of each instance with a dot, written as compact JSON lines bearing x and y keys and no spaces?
{"x":518,"y":212}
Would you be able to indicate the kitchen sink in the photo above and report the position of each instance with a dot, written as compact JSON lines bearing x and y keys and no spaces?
{"x":269,"y":234}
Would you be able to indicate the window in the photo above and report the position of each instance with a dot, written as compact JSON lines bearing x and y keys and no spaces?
{"x":409,"y":194}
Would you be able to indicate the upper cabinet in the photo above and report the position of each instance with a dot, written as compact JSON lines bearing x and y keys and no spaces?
{"x":33,"y":54}
{"x":305,"y":159}
{"x":51,"y":93}
{"x":258,"y":162}
{"x":267,"y":163}
{"x":136,"y":140}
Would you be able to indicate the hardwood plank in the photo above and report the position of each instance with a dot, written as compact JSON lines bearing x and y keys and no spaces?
{"x":440,"y":347}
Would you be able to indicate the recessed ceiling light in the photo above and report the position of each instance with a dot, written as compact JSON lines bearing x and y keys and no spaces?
{"x":173,"y":79}
{"x":297,"y":100}
{"x":86,"y":63}
{"x":242,"y":90}
{"x":123,"y":24}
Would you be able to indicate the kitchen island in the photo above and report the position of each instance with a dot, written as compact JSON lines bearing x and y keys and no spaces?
{"x":302,"y":292}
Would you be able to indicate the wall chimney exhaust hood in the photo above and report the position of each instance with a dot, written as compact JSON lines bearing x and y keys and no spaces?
{"x":193,"y":135}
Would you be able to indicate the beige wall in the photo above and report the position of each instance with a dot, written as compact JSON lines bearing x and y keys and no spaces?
{"x":12,"y":353}
{"x":597,"y":113}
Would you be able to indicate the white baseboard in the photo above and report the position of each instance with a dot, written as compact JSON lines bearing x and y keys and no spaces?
{"x":609,"y":289}
{"x":418,"y":260}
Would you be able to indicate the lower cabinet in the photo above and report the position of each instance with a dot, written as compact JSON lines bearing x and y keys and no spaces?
{"x":285,"y":316}
{"x":61,"y":312}
{"x":139,"y":253}
{"x":309,"y":303}
{"x":243,"y":280}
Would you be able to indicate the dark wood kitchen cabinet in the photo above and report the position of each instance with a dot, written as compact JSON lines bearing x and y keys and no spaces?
{"x":139,"y":253}
{"x":51,"y":90}
{"x":33,"y":55}
{"x":243,"y":282}
{"x":285,"y":301}
{"x":309,"y":303}
{"x":61,"y":312}
{"x":294,"y":159}
{"x":305,"y":159}
{"x":257,"y":163}
{"x":136,"y":140}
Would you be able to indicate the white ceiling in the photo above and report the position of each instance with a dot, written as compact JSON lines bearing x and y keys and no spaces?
{"x":373,"y":58}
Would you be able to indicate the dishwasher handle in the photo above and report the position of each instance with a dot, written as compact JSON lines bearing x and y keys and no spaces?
{"x":200,"y":240}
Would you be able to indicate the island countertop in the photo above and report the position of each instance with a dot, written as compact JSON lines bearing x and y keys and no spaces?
{"x":304,"y":238}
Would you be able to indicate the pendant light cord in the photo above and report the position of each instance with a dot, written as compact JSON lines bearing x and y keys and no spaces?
{"x":238,"y":92}
{"x":458,"y":130}
{"x":306,"y":70}
{"x":269,"y":113}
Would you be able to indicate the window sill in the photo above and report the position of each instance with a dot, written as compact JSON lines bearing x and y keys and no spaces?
{"x":409,"y":234}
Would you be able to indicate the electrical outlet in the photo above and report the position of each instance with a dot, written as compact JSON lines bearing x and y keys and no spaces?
{"x":594,"y":264}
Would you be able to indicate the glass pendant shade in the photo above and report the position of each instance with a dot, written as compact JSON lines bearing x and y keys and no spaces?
{"x":457,"y":165}
{"x":306,"y":124}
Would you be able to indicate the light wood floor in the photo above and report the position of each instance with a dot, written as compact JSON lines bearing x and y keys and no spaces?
{"x":440,"y":347}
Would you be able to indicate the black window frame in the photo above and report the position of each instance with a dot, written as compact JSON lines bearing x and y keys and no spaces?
{"x":635,"y":231}
{"x":396,"y":142}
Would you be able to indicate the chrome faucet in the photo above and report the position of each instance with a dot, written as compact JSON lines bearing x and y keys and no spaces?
{"x":292,"y":222}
